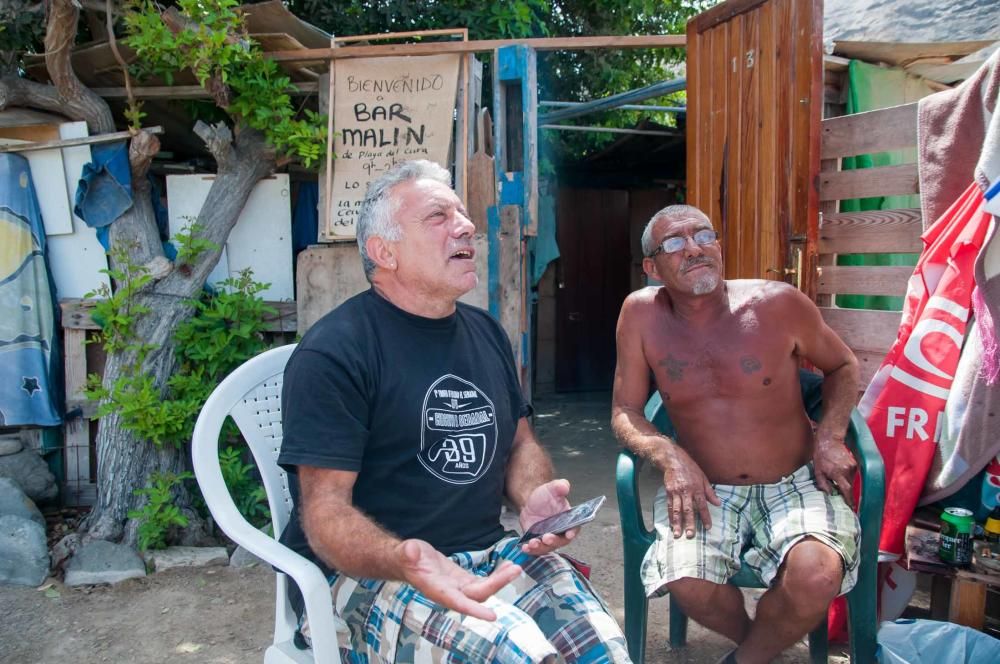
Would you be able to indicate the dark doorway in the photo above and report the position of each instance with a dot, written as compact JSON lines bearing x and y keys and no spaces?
{"x":592,"y":281}
{"x":599,"y":233}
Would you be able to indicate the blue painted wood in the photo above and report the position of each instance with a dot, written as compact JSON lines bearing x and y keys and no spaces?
{"x":493,"y":260}
{"x":517,"y":183}
{"x":512,"y":190}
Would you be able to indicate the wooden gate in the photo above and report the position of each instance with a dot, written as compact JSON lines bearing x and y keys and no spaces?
{"x":754,"y":103}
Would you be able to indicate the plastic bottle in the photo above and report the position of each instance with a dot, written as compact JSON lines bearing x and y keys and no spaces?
{"x":992,"y":527}
{"x":990,"y":496}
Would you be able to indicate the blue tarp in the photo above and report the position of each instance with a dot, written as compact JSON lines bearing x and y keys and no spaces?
{"x":305,"y":218}
{"x":546,"y":249}
{"x":105,"y":188}
{"x":28,"y":345}
{"x":909,"y":641}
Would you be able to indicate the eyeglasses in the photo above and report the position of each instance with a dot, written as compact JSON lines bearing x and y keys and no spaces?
{"x":677,"y":242}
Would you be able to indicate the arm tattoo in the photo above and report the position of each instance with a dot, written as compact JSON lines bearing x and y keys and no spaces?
{"x":674,"y":367}
{"x":749,"y":364}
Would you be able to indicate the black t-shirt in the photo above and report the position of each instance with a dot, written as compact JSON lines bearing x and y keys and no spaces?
{"x":424,"y":410}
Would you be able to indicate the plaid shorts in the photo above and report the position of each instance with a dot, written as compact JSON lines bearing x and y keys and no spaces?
{"x":758,"y":523}
{"x":549,"y":611}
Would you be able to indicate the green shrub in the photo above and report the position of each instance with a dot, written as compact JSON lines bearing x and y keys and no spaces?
{"x":159,"y":514}
{"x":244,"y":487}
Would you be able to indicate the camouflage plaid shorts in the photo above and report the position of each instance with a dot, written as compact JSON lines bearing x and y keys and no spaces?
{"x":549,"y":613}
{"x":761,"y":522}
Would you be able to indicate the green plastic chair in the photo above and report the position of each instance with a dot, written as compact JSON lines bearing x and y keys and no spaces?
{"x":861,"y":600}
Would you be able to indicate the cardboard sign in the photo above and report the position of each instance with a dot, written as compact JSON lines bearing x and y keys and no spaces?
{"x":385,"y":110}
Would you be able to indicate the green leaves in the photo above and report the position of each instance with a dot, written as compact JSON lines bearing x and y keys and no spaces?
{"x":243,"y":485}
{"x":116,"y":312}
{"x":485,"y":20}
{"x":225,"y":331}
{"x":190,"y":244}
{"x":215,"y":46}
{"x":134,"y":114}
{"x":159,"y":514}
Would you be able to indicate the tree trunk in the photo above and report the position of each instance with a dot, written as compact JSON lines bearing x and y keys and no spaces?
{"x":124,"y":461}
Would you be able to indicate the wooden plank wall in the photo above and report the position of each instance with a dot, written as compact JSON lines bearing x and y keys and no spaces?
{"x":754,"y":71}
{"x":868,"y":333}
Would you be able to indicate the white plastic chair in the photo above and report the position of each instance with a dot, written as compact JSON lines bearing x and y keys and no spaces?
{"x":252,"y":396}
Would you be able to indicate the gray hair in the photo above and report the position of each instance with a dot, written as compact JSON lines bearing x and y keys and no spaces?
{"x":379,"y":207}
{"x":669,"y":213}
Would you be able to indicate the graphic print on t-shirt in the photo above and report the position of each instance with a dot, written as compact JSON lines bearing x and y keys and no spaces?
{"x":459,"y":434}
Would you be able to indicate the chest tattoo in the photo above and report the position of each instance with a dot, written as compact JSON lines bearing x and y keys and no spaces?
{"x":749,"y":364}
{"x":674,"y":367}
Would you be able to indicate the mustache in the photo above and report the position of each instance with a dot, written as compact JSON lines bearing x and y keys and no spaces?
{"x":694,"y":262}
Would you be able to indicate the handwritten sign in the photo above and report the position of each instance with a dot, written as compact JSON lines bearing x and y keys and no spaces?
{"x":385,"y":110}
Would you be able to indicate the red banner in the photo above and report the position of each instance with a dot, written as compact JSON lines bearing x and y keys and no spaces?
{"x":904,"y":404}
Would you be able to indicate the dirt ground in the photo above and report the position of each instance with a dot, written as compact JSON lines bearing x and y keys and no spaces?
{"x":225,"y":615}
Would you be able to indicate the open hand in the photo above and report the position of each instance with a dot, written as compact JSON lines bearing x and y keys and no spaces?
{"x":441,"y":580}
{"x":546,"y":500}
{"x":688,"y":493}
{"x":834,"y":467}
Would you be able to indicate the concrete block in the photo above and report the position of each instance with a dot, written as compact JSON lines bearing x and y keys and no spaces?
{"x":100,"y":561}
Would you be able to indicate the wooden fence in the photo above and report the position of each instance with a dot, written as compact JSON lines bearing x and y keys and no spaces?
{"x":869,"y":333}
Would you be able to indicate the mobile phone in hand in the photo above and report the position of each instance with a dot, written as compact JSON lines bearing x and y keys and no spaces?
{"x":560,"y":523}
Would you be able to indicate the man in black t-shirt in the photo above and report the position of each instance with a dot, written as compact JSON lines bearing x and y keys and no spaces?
{"x":405,"y":426}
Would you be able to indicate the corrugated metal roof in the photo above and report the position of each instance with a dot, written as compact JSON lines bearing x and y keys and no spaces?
{"x":910,"y":20}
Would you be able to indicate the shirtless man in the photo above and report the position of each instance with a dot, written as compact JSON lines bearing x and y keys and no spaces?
{"x":748,"y":468}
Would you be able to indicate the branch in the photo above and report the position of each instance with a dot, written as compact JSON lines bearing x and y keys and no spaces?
{"x":113,"y":43}
{"x":176,"y":21}
{"x":219,"y":91}
{"x":141,"y":151}
{"x":79,"y":102}
{"x":94,"y":6}
{"x":242,"y":162}
{"x":95,"y":23}
{"x":219,"y":141}
{"x":16,"y":91}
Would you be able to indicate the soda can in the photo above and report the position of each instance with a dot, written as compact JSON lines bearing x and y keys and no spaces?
{"x":956,"y":536}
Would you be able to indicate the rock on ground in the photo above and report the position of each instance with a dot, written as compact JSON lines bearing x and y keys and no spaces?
{"x":64,"y":549}
{"x":103,"y":562}
{"x":31,"y":474}
{"x":24,"y":554}
{"x":243,"y":558}
{"x":10,"y":445}
{"x":14,"y":501}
